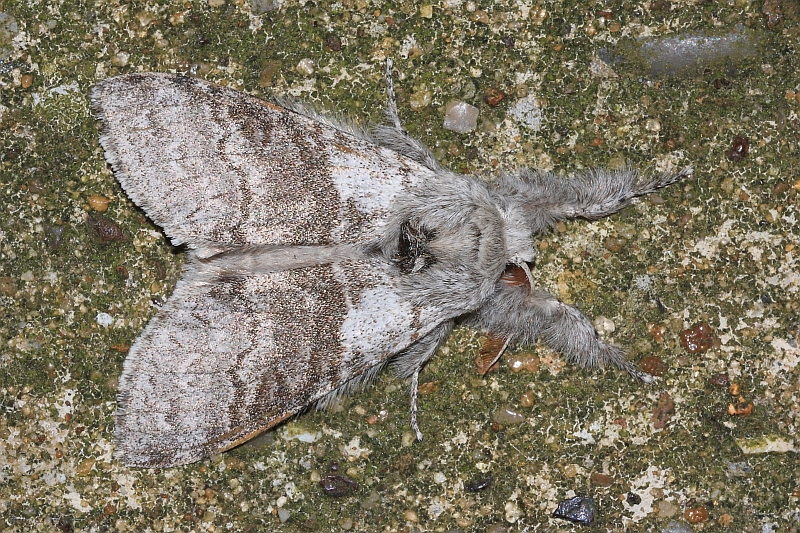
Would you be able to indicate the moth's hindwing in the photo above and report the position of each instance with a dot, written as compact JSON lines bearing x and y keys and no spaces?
{"x":227,"y":358}
{"x":216,"y":167}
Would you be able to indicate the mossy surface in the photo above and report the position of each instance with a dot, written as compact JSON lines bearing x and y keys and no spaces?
{"x":720,"y":248}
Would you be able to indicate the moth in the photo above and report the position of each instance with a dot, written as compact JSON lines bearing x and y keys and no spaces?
{"x":319,"y":253}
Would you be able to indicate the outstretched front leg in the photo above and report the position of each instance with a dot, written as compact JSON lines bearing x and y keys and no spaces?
{"x":546,"y":198}
{"x":520,"y":314}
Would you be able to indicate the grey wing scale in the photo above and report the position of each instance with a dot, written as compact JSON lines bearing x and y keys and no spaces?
{"x":215,"y":167}
{"x":228,"y":358}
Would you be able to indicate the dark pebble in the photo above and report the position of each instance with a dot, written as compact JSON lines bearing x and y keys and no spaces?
{"x":579,"y":509}
{"x":54,"y":234}
{"x":633,"y":498}
{"x":107,"y":230}
{"x":739,"y":149}
{"x":479,"y":484}
{"x":333,"y":42}
{"x":721,"y":380}
{"x":337,"y":486}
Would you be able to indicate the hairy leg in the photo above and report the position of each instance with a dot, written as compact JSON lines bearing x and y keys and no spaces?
{"x":524,"y":315}
{"x":410,"y":362}
{"x":547,"y":198}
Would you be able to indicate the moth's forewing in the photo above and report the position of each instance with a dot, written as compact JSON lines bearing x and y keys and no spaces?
{"x":214,"y":166}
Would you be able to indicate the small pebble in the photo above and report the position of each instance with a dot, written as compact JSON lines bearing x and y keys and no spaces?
{"x":696,"y":514}
{"x":429,"y":388}
{"x":477,"y":485}
{"x":528,"y":113}
{"x":739,"y":149}
{"x":600,"y":479}
{"x":410,"y":516}
{"x":527,"y":399}
{"x":346,"y":523}
{"x":337,"y":486}
{"x":653,"y":365}
{"x":537,"y":15}
{"x":259,"y":7}
{"x":26,"y":81}
{"x":699,"y":338}
{"x":107,"y":230}
{"x":720,"y":380}
{"x":677,"y":527}
{"x":652,"y":124}
{"x":493,"y":96}
{"x":420,"y":99}
{"x":507,"y":415}
{"x":333,"y":42}
{"x":98,"y":203}
{"x":120,"y":59}
{"x":284,"y":515}
{"x":460,"y":117}
{"x":667,"y":509}
{"x":523,"y":361}
{"x":633,"y":499}
{"x":579,"y":509}
{"x":305,"y":67}
{"x":613,"y":244}
{"x":604,"y":325}
{"x":663,"y":411}
{"x":480,"y":16}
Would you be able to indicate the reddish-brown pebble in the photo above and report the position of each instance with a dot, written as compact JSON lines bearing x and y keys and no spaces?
{"x":429,"y":387}
{"x":602,"y":480}
{"x":26,"y":81}
{"x":654,"y":365}
{"x":699,"y":338}
{"x":493,"y":96}
{"x":720,"y":380}
{"x":663,"y":411}
{"x":780,"y":188}
{"x":657,"y":331}
{"x":107,"y":230}
{"x":739,"y":149}
{"x":696,"y":514}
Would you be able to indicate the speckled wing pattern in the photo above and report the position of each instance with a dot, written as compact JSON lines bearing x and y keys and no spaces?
{"x":214,"y":166}
{"x":247,"y":340}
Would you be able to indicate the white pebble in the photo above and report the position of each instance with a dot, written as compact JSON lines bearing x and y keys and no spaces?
{"x":604,"y":325}
{"x":305,"y":67}
{"x":460,"y":117}
{"x":104,"y":319}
